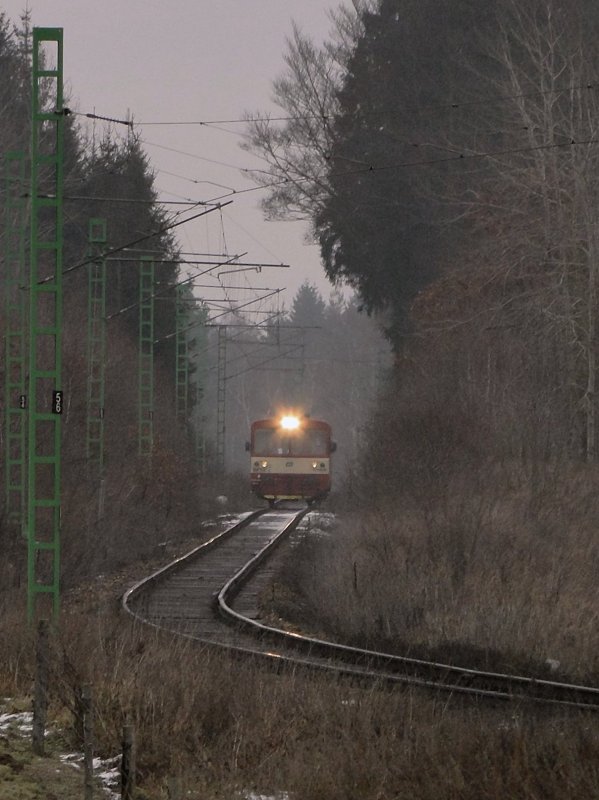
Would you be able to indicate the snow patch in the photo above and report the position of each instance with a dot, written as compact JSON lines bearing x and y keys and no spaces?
{"x":21,"y":724}
{"x":318,"y":523}
{"x":253,"y":796}
{"x":107,"y":771}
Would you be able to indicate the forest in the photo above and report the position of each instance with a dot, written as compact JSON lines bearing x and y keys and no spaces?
{"x":209,"y":383}
{"x":447,"y":172}
{"x":442,"y":152}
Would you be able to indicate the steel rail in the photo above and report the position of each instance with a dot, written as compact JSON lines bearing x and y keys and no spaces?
{"x":180,"y":596}
{"x":318,"y":654}
{"x":181,"y":562}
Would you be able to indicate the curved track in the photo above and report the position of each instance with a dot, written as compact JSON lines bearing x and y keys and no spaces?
{"x":211,"y":595}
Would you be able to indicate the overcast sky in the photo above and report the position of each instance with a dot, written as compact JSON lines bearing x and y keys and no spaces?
{"x":185,"y":60}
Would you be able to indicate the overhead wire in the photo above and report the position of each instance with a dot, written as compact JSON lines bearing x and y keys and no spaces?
{"x":452,"y":105}
{"x":367,"y":168}
{"x":196,"y":156}
{"x":156,"y":295}
{"x":592,"y":84}
{"x":151,"y":235}
{"x":91,"y":198}
{"x":251,"y":235}
{"x":193,"y":180}
{"x":257,"y":325}
{"x":372,"y":168}
{"x":212,"y":319}
{"x":160,"y":231}
{"x":228,"y":297}
{"x":260,"y":325}
{"x":266,"y":361}
{"x":588,"y":85}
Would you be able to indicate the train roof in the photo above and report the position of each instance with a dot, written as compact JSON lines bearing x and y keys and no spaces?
{"x":274,"y":422}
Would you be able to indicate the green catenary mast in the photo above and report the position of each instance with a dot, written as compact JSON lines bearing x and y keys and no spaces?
{"x":15,"y":402}
{"x":145,"y":403}
{"x":181,"y":355}
{"x":45,"y":322}
{"x":96,"y":346}
{"x":221,"y":398}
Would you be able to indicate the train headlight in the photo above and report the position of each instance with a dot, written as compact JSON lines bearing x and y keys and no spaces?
{"x":264,"y":464}
{"x":318,"y":465}
{"x":290,"y":423}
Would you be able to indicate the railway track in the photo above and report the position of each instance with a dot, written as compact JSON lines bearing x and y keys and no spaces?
{"x":212,"y":595}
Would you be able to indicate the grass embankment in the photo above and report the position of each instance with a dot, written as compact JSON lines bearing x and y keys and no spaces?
{"x":223,"y":729}
{"x":25,"y":776}
{"x":498,"y":575}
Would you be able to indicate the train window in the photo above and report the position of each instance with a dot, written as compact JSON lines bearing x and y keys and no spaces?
{"x":310,"y":443}
{"x":270,"y":442}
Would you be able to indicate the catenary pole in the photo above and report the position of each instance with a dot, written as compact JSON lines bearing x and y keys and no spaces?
{"x":45,"y":396}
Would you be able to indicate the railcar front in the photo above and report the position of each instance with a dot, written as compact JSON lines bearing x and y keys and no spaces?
{"x":290,"y":458}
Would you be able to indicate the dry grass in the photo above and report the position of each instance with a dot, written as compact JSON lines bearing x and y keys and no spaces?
{"x":222,"y":728}
{"x":504,"y":576}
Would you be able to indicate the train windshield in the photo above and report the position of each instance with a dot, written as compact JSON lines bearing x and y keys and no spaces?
{"x":271,"y":442}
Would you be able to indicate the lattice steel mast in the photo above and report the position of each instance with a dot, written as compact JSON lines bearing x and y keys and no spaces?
{"x":96,"y":346}
{"x":181,"y":355}
{"x":221,"y":398}
{"x":45,"y":321}
{"x":146,"y":356}
{"x":15,"y":401}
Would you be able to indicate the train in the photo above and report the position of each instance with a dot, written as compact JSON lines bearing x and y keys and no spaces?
{"x":290,"y":458}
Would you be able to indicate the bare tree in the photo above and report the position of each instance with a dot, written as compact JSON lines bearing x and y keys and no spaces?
{"x":533,"y":208}
{"x":296,"y":146}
